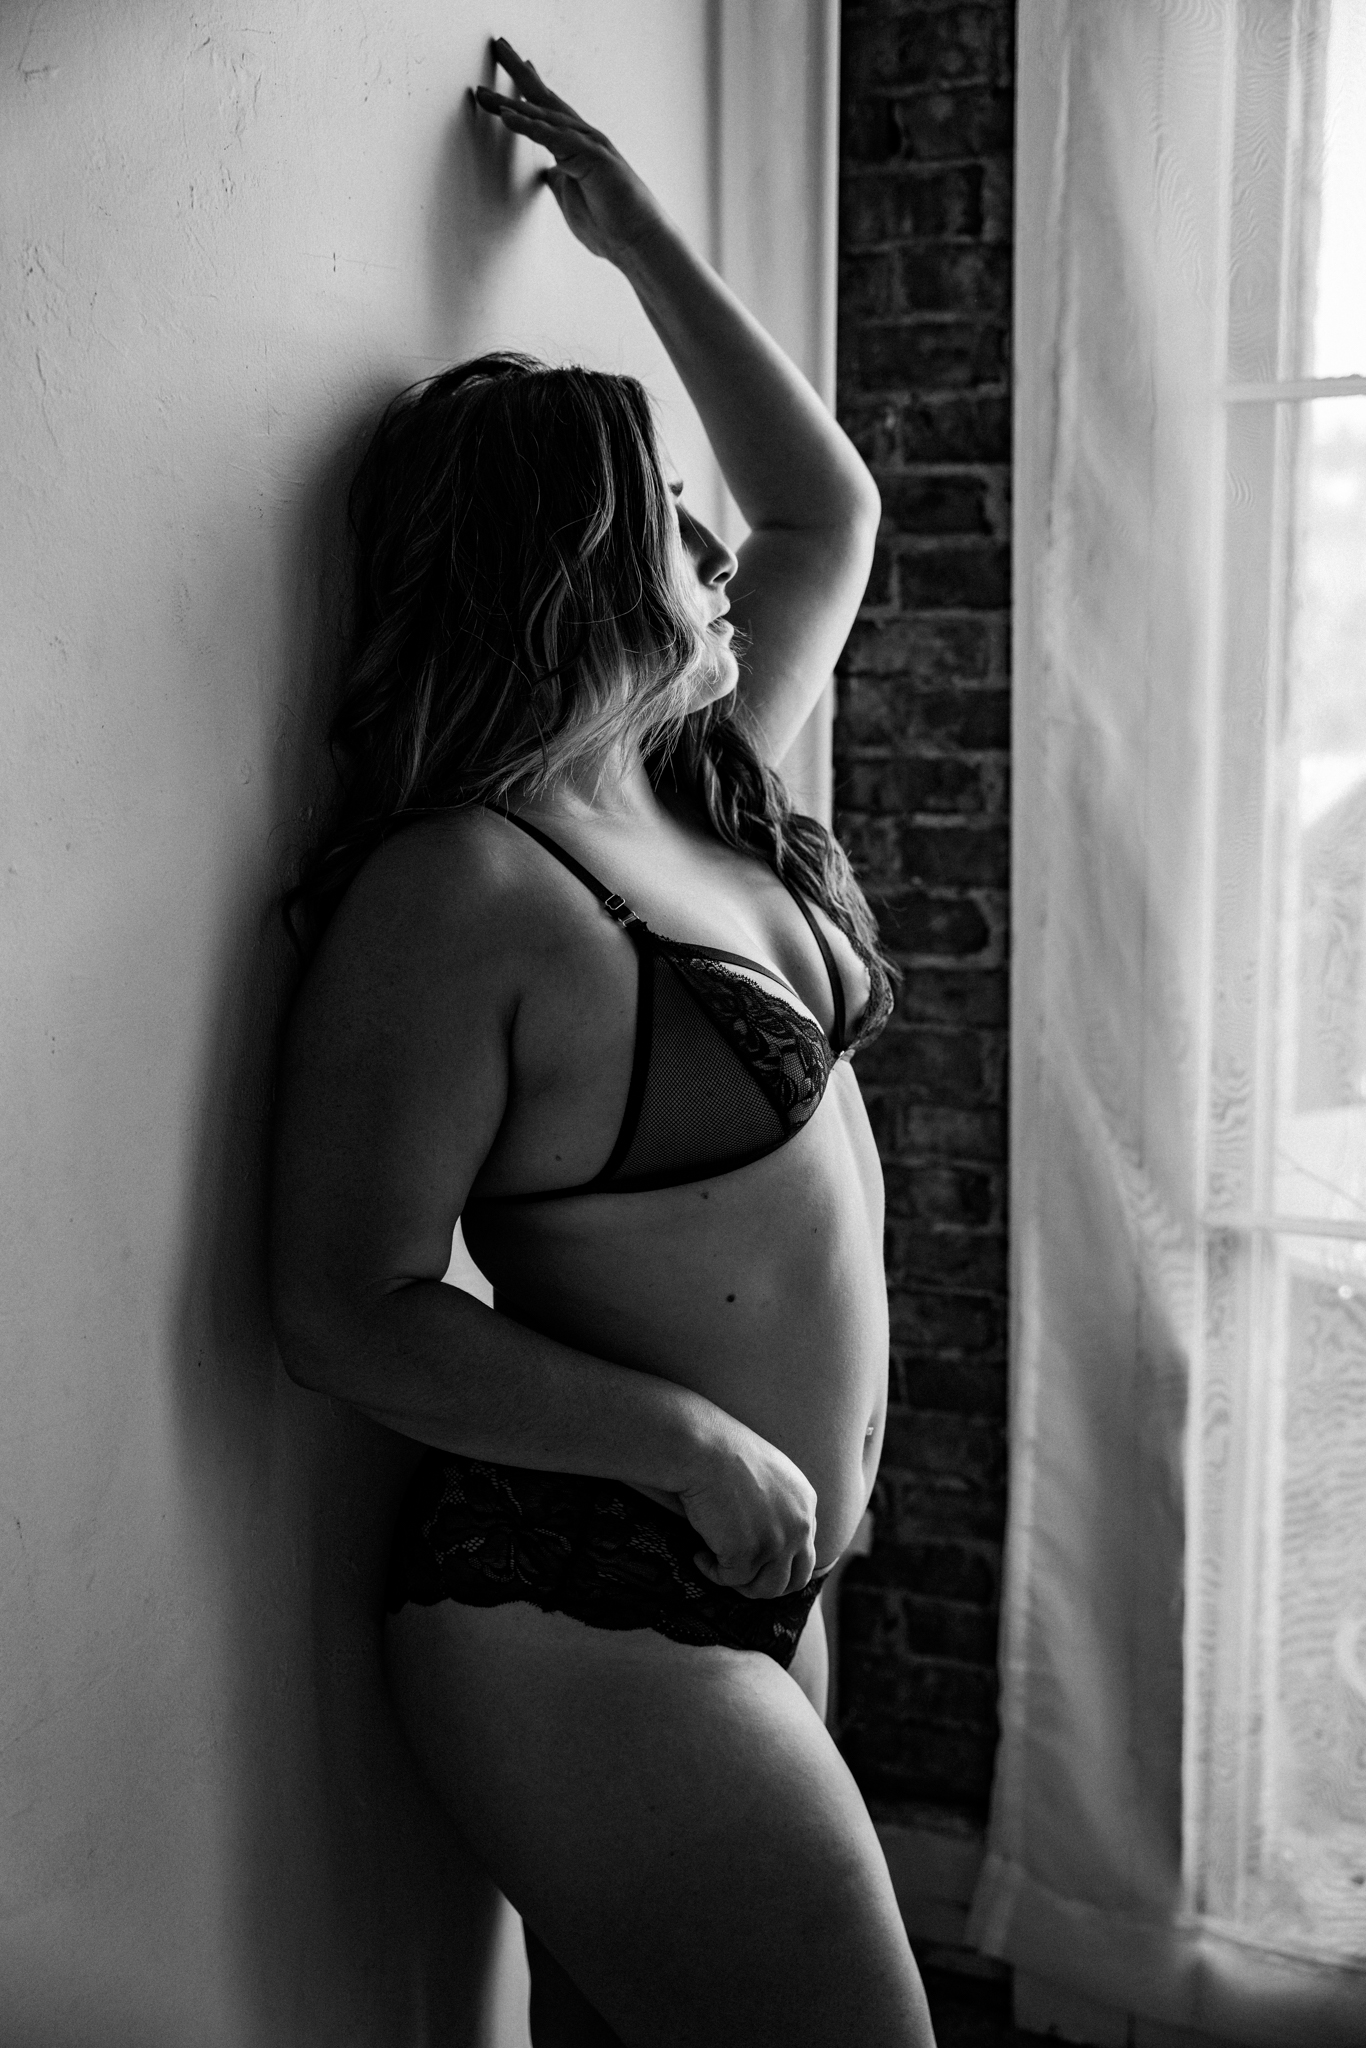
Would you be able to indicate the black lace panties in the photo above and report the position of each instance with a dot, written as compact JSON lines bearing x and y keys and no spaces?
{"x":485,"y":1534}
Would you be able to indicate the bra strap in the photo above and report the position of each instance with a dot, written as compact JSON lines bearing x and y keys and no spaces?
{"x":616,"y":906}
{"x":831,"y":968}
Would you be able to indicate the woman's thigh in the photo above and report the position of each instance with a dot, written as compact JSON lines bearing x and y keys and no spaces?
{"x":674,"y":1822}
{"x":811,"y":1666}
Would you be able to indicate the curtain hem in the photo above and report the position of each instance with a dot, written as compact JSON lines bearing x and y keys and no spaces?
{"x":1189,"y":1974}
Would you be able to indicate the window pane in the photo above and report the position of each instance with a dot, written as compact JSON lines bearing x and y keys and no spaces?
{"x":1320,"y":1146}
{"x":1278,"y":1793}
{"x":1315,"y":1867}
{"x":1276,"y":1675}
{"x":1339,"y":345}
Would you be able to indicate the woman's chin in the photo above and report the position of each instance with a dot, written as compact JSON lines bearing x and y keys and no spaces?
{"x":722,"y":682}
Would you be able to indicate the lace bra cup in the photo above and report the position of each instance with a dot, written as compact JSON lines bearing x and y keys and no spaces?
{"x":726,"y":1067}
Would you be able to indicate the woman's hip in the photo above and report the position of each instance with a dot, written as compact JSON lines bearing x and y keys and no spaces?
{"x":488,"y":1535}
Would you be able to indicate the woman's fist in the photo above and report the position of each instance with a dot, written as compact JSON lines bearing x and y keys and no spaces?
{"x":755,"y":1512}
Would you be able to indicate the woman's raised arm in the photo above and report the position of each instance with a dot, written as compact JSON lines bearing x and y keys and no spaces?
{"x":811,"y":505}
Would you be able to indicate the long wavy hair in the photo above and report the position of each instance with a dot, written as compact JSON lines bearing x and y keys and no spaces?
{"x":520,"y":612}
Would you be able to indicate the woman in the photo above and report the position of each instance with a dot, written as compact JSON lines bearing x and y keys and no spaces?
{"x":593,"y":999}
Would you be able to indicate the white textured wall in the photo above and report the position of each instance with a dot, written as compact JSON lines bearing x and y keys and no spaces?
{"x":223,"y":246}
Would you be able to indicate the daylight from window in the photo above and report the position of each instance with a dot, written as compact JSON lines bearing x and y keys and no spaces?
{"x":1280,"y":1839}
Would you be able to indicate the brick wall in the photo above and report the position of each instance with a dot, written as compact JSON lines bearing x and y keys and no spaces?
{"x":921,"y":758}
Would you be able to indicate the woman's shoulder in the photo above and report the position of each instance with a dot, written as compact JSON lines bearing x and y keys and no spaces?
{"x":449,"y":892}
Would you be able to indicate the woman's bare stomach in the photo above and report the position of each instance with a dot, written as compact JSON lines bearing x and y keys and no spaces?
{"x":762,"y":1289}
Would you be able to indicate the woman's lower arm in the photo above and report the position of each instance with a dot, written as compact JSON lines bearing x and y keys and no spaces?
{"x":787,"y":462}
{"x":433,"y":1363}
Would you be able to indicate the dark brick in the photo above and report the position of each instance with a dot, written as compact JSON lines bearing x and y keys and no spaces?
{"x":908,"y":1130}
{"x":961,"y":1069}
{"x":873,"y":844}
{"x":883,"y":721}
{"x":883,"y":1622}
{"x":874,"y":427}
{"x":967,"y":1450}
{"x":941,"y":1694}
{"x":911,"y":280}
{"x":955,"y":427}
{"x":894,"y":1762}
{"x":926,"y":126}
{"x":952,"y":280}
{"x":977,"y":121}
{"x":919,"y":1510}
{"x":954,"y":995}
{"x":869,"y":286}
{"x":928,"y":650}
{"x":952,"y":203}
{"x":883,"y":1118}
{"x":940,"y":927}
{"x":942,"y":501}
{"x":922,"y":742}
{"x":936,"y":353}
{"x":910,"y":1508}
{"x":870,"y":132}
{"x":966,"y":1197}
{"x":919,"y":1507}
{"x":935,"y":785}
{"x":953,"y":46}
{"x":963,"y":1386}
{"x":961,"y":856}
{"x":882,"y":578}
{"x":935,"y":1133}
{"x":864,"y":214}
{"x":955,"y":1260}
{"x":933,"y":1567}
{"x":953,"y":575}
{"x":903,"y":715}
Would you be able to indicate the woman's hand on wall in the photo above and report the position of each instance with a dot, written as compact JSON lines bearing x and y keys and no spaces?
{"x":606,"y":205}
{"x":811,"y":505}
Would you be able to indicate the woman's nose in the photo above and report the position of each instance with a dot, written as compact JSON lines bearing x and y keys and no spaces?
{"x":716,"y":563}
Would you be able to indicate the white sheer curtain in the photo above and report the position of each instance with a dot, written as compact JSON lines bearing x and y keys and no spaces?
{"x":776,"y":106}
{"x":1178,"y":1835}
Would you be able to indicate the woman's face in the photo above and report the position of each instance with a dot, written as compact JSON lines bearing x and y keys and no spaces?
{"x":708,"y":568}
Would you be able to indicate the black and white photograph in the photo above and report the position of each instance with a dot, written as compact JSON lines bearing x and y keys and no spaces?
{"x":683,"y":1026}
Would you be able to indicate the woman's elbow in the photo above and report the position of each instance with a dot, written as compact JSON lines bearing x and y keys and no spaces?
{"x":309,"y":1336}
{"x":866,"y":505}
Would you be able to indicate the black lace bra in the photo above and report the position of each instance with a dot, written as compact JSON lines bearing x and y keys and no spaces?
{"x":725,"y":1067}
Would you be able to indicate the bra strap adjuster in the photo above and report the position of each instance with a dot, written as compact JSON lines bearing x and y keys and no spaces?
{"x":620,"y":909}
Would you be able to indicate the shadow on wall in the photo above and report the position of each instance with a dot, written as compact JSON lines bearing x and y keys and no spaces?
{"x":354,"y":1913}
{"x":476,"y":206}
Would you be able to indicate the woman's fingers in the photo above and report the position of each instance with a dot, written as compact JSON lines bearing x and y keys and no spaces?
{"x":803,"y":1567}
{"x":772,"y":1582}
{"x":502,"y":102}
{"x":535,"y":92}
{"x":529,"y":80}
{"x":783,"y":1574}
{"x":555,"y":132}
{"x":533,"y":124}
